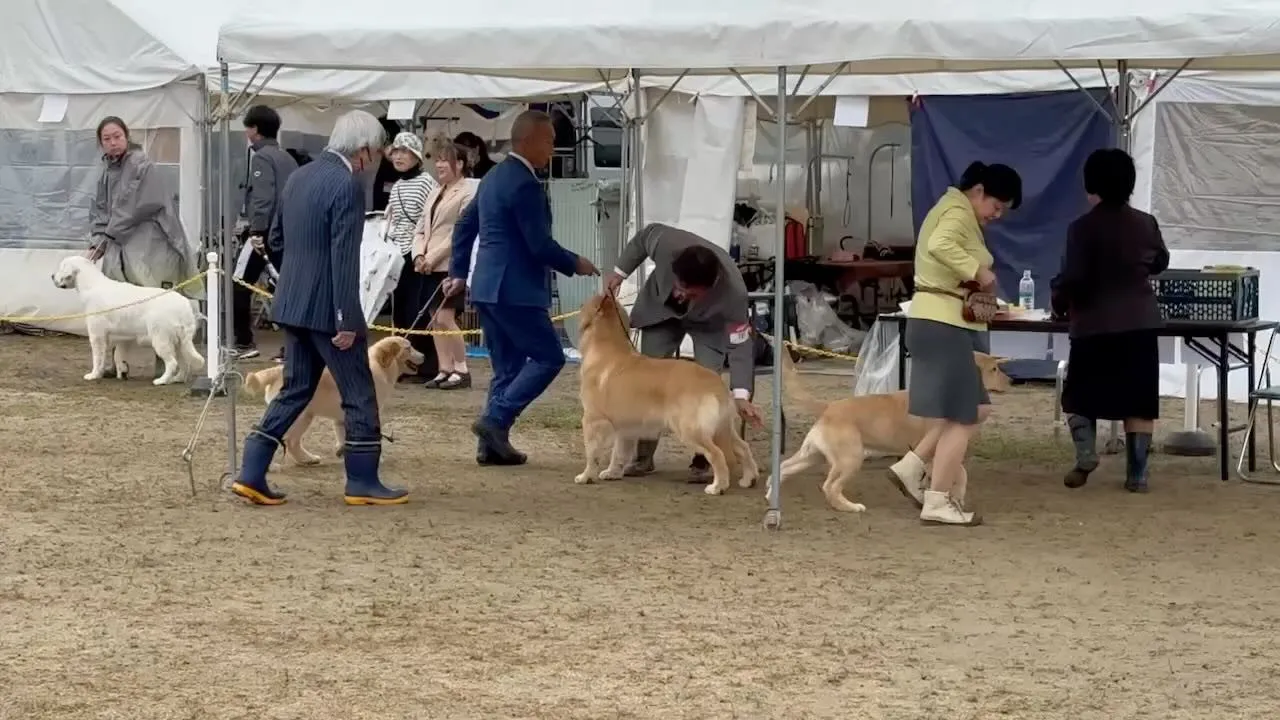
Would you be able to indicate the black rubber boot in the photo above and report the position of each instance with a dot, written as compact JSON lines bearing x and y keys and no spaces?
{"x":643,"y":463}
{"x":1084,"y":436}
{"x":1136,"y":448}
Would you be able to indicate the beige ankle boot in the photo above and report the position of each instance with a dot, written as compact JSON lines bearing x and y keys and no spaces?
{"x":941,"y":509}
{"x":908,"y":475}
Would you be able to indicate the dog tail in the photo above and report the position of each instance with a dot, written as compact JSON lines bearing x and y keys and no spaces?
{"x":794,"y":385}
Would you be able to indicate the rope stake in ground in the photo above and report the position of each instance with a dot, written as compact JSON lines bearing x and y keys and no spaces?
{"x":28,"y":319}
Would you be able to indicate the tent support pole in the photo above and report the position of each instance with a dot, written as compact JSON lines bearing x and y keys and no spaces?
{"x":637,"y":160}
{"x":773,"y":516}
{"x":228,"y":264}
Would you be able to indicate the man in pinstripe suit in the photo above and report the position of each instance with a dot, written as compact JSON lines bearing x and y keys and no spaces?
{"x":317,"y":303}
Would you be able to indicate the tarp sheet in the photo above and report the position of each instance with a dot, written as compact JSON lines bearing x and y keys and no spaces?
{"x":1044,"y":136}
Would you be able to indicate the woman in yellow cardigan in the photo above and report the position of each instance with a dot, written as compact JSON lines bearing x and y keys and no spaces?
{"x":946,"y":385}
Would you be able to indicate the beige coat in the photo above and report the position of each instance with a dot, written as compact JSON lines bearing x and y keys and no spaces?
{"x":434,"y":234}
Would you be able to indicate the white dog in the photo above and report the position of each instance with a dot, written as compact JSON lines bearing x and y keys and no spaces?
{"x":162,"y":319}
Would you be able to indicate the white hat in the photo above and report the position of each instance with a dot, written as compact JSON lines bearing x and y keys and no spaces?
{"x":408,"y":141}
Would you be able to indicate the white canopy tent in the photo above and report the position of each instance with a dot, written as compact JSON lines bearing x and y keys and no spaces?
{"x":574,"y":41}
{"x":66,"y":65}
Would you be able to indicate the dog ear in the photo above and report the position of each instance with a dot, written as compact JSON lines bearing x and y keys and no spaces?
{"x":386,"y":353}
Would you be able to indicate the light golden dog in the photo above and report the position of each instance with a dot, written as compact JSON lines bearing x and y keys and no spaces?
{"x":388,"y":359}
{"x":848,"y":427}
{"x":634,"y":397}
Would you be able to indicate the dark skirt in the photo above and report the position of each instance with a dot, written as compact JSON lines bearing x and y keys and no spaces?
{"x":945,"y":382}
{"x":1115,"y":376}
{"x":406,"y":303}
{"x":431,"y":282}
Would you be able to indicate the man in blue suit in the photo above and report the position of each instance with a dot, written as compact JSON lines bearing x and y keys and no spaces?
{"x":511,"y":286}
{"x":320,"y":217}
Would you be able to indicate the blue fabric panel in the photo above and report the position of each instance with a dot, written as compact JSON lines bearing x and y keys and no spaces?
{"x":1044,"y":136}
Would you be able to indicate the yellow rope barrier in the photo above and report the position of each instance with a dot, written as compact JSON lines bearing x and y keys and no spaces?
{"x":27,"y":319}
{"x":399,"y":331}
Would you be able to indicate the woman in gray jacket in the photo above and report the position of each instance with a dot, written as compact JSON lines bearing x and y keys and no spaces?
{"x":136,"y":230}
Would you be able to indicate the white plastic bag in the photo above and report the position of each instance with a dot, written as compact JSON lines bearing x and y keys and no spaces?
{"x":820,"y":327}
{"x":876,"y":371}
{"x":380,"y":265}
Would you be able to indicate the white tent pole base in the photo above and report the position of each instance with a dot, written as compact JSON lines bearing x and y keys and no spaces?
{"x":1191,"y":441}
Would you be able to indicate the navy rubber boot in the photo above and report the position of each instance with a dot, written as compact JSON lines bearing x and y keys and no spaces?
{"x":361,"y":461}
{"x":251,"y":484}
{"x":1137,"y":446}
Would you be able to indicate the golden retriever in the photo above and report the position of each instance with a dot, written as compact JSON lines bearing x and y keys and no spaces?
{"x":388,"y":359}
{"x":848,"y":427}
{"x":633,"y":397}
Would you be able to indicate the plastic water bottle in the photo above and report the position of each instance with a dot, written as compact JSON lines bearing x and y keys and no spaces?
{"x":1026,"y":291}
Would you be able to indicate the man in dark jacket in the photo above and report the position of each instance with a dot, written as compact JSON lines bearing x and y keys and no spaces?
{"x":269,"y":168}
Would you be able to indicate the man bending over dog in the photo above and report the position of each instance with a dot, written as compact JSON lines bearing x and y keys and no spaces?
{"x":695,"y":290}
{"x":317,"y":304}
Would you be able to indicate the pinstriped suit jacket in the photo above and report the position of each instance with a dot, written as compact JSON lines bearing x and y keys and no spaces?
{"x":321,"y":216}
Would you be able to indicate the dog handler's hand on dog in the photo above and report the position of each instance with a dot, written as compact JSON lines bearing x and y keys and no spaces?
{"x":344,"y":340}
{"x":613,"y":283}
{"x":749,"y":412}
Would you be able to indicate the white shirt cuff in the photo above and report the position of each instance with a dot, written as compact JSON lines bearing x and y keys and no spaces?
{"x":740,"y":394}
{"x":619,"y":273}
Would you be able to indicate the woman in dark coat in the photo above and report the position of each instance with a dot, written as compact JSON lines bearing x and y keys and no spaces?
{"x":1104,"y":287}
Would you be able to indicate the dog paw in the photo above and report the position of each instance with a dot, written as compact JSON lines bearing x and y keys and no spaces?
{"x":162,"y":381}
{"x":93,"y":376}
{"x":583,"y":479}
{"x":307,"y":460}
{"x":713,"y":489}
{"x":747,"y":481}
{"x":852,"y":507}
{"x":612,"y":473}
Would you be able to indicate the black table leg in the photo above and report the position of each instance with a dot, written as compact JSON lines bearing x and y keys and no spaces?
{"x":1251,"y":346}
{"x":902,"y":354}
{"x":1224,"y":428}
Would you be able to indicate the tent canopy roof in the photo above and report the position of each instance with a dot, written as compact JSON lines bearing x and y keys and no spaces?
{"x":80,"y":47}
{"x":575,"y":39}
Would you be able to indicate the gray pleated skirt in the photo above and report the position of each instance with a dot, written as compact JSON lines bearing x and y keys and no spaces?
{"x":945,"y":380}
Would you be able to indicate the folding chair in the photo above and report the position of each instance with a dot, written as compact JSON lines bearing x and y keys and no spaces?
{"x":1268,"y":393}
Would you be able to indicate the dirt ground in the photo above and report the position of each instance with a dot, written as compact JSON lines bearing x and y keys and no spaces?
{"x":501,"y":593}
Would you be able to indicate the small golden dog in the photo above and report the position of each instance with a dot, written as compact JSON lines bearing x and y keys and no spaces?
{"x":638,"y":397}
{"x":848,"y":427}
{"x":388,"y":359}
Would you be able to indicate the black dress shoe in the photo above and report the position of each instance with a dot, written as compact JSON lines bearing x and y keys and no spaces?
{"x":495,"y":439}
{"x":486,"y":458}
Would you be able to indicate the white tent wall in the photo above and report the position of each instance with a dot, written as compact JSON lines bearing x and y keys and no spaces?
{"x":1209,"y":170}
{"x":50,"y":173}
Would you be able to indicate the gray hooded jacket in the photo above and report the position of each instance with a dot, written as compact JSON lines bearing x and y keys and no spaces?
{"x":136,"y":224}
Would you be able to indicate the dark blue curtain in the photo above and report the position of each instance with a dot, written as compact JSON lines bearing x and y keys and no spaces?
{"x":1044,"y":136}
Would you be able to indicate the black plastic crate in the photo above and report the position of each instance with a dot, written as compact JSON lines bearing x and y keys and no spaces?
{"x":1211,"y":295}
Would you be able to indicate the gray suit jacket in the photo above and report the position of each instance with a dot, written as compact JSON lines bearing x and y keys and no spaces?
{"x":718,"y":319}
{"x":269,"y":170}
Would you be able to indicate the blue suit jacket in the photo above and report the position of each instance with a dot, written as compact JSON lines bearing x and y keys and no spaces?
{"x":512,"y":215}
{"x":321,"y":218}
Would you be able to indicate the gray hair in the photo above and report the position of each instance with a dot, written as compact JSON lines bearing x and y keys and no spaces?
{"x":355,"y":131}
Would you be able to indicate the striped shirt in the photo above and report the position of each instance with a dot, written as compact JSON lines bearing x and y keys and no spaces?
{"x":408,"y":199}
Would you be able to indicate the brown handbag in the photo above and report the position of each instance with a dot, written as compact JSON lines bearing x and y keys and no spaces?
{"x":980,"y":306}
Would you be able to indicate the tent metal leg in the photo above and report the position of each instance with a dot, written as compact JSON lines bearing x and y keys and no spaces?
{"x":773,"y":516}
